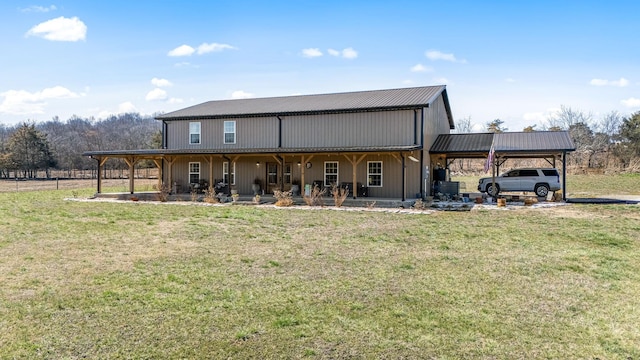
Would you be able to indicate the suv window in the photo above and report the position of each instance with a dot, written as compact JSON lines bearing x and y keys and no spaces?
{"x":529,"y":172}
{"x":550,"y":172}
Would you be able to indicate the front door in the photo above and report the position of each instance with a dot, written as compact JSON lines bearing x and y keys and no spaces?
{"x":272,"y":177}
{"x":275,"y":176}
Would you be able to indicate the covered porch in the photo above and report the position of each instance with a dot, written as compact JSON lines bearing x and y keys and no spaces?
{"x":185,"y":171}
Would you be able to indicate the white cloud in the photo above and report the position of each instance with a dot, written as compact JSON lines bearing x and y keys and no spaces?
{"x":161,"y":82}
{"x":631,"y":102}
{"x":186,"y":64}
{"x":510,"y":80}
{"x":175,"y":101}
{"x":204,"y":48}
{"x":182,"y":50}
{"x":438,"y":55}
{"x":478,"y":128}
{"x":347,"y":53}
{"x":602,"y":82}
{"x":21,"y":102}
{"x":41,"y":9}
{"x":407,"y":82}
{"x":443,"y":81}
{"x":421,"y":68}
{"x":240,"y":94}
{"x":126,"y":107}
{"x":213,"y":47}
{"x":156,"y":94}
{"x":60,"y":29}
{"x":311,"y":52}
{"x":535,"y":117}
{"x":540,"y":117}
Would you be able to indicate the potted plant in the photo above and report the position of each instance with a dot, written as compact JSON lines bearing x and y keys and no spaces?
{"x":256,"y":186}
{"x":235,"y":197}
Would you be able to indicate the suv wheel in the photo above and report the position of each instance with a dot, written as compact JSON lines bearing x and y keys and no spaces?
{"x":493,"y":191}
{"x":542,"y":190}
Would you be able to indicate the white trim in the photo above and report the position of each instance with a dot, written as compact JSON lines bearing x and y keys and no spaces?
{"x":195,"y":128}
{"x":369,"y":174}
{"x":332,"y":174}
{"x":225,"y":132}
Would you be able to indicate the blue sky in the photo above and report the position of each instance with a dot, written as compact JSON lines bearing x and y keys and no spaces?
{"x":516,"y":61}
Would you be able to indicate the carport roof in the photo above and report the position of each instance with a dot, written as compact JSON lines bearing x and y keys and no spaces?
{"x":510,"y":144}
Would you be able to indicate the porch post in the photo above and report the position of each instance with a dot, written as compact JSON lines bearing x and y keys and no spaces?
{"x":158,"y":164}
{"x":303,"y":166}
{"x":131,"y":162}
{"x":99,"y":189}
{"x":170,"y":162}
{"x":404,"y":178}
{"x":211,"y":179}
{"x":564,"y":176}
{"x":355,"y":184}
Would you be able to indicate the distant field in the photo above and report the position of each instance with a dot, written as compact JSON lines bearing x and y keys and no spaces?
{"x":159,"y":280}
{"x":115,"y":185}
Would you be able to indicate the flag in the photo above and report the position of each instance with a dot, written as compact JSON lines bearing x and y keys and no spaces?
{"x":487,"y":165}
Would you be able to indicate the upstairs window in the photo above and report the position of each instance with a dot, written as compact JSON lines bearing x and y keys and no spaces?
{"x":229,"y":132}
{"x":374,"y":173}
{"x":194,"y":133}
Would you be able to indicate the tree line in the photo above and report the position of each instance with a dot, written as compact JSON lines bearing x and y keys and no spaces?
{"x":611,"y":142}
{"x":29,"y":148}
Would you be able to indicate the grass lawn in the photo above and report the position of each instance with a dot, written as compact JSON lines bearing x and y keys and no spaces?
{"x":143,"y":280}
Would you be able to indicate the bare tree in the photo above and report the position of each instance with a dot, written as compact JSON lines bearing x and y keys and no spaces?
{"x":565,"y":117}
{"x":463,"y":126}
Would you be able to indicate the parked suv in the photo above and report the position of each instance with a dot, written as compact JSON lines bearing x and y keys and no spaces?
{"x":537,"y":180}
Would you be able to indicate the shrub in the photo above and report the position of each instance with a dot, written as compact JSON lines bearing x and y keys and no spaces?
{"x":339,"y":195}
{"x":315,"y":198}
{"x":421,"y":205}
{"x":163,"y":192}
{"x":210,"y":195}
{"x":283,"y":198}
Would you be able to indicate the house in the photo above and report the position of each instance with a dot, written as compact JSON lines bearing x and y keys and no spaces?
{"x":376,"y":143}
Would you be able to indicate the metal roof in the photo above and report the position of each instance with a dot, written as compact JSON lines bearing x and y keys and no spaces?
{"x":321,"y":103}
{"x":162,"y":152}
{"x":462,"y":143}
{"x":515,"y":143}
{"x":535,"y":141}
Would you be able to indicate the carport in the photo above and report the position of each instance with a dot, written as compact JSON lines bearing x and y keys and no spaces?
{"x":497,"y":148}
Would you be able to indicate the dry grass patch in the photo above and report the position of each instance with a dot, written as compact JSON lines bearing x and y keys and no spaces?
{"x":145,"y":280}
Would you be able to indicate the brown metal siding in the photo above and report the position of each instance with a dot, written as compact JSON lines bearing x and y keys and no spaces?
{"x":250,"y":133}
{"x":247,"y":171}
{"x":350,"y":129}
{"x":435,"y":123}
